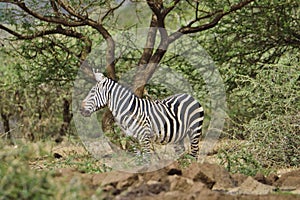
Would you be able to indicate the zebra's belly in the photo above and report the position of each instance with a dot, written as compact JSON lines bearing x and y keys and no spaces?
{"x":125,"y":129}
{"x":158,"y":134}
{"x":162,"y":136}
{"x":129,"y":129}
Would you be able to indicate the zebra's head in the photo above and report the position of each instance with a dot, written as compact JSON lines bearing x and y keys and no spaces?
{"x":96,"y":98}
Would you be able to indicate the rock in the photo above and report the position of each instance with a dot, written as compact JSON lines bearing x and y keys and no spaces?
{"x":204,"y":194}
{"x":289,"y":179}
{"x":289,"y":182}
{"x":198,"y":187}
{"x":213,"y":176}
{"x":119,"y":179}
{"x":161,"y":174}
{"x":287,"y":188}
{"x":238,"y":179}
{"x":171,"y":195}
{"x":154,"y":176}
{"x":180,"y":183}
{"x":195,"y":172}
{"x":73,"y":176}
{"x":150,"y":189}
{"x":197,"y":182}
{"x":252,"y":187}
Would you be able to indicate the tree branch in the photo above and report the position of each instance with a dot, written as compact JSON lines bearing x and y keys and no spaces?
{"x":218,"y":15}
{"x":151,"y":38}
{"x":156,"y":7}
{"x":54,"y":7}
{"x":144,"y":73}
{"x":169,"y":9}
{"x":112,"y":10}
{"x":51,"y":19}
{"x":57,"y":30}
{"x":72,"y":11}
{"x":110,"y":51}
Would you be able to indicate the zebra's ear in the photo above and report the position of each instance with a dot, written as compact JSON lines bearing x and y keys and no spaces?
{"x":98,"y":76}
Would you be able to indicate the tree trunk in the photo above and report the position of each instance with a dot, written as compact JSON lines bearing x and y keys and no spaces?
{"x":5,"y":118}
{"x":107,"y":121}
{"x":67,"y":117}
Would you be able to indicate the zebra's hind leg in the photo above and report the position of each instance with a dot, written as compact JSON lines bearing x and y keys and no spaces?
{"x":194,"y":139}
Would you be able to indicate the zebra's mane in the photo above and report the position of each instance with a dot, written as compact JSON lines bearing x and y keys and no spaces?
{"x":125,"y":87}
{"x":101,"y":77}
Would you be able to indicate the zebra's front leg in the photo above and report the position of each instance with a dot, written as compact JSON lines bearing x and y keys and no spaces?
{"x":145,"y":143}
{"x":144,"y":153}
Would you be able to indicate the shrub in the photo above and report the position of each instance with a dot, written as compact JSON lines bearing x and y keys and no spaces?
{"x":264,"y":110}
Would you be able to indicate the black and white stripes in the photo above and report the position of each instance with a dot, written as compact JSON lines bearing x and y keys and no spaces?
{"x":164,"y":121}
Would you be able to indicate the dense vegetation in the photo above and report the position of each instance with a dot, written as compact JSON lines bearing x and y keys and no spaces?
{"x":255,"y":48}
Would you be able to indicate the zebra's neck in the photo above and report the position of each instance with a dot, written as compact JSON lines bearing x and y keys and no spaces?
{"x":119,"y":96}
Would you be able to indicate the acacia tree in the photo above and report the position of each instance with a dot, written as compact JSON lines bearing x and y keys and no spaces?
{"x":45,"y":29}
{"x":67,"y":18}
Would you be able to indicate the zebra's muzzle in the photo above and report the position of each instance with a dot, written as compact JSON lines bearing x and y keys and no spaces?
{"x":85,"y":113}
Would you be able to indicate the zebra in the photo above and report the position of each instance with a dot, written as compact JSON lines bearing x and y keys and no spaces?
{"x":165,"y":121}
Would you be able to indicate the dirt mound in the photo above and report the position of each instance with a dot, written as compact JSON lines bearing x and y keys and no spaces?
{"x":198,"y":181}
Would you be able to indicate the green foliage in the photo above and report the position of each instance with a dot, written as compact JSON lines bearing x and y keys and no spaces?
{"x":33,"y":94}
{"x":259,"y":34}
{"x":258,"y":54}
{"x":241,"y":161}
{"x":52,"y":61}
{"x":18,"y":182}
{"x":275,"y":142}
{"x":185,"y":160}
{"x":83,"y":163}
{"x":29,"y":170}
{"x":274,"y":90}
{"x":118,"y":138}
{"x":265,"y":112}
